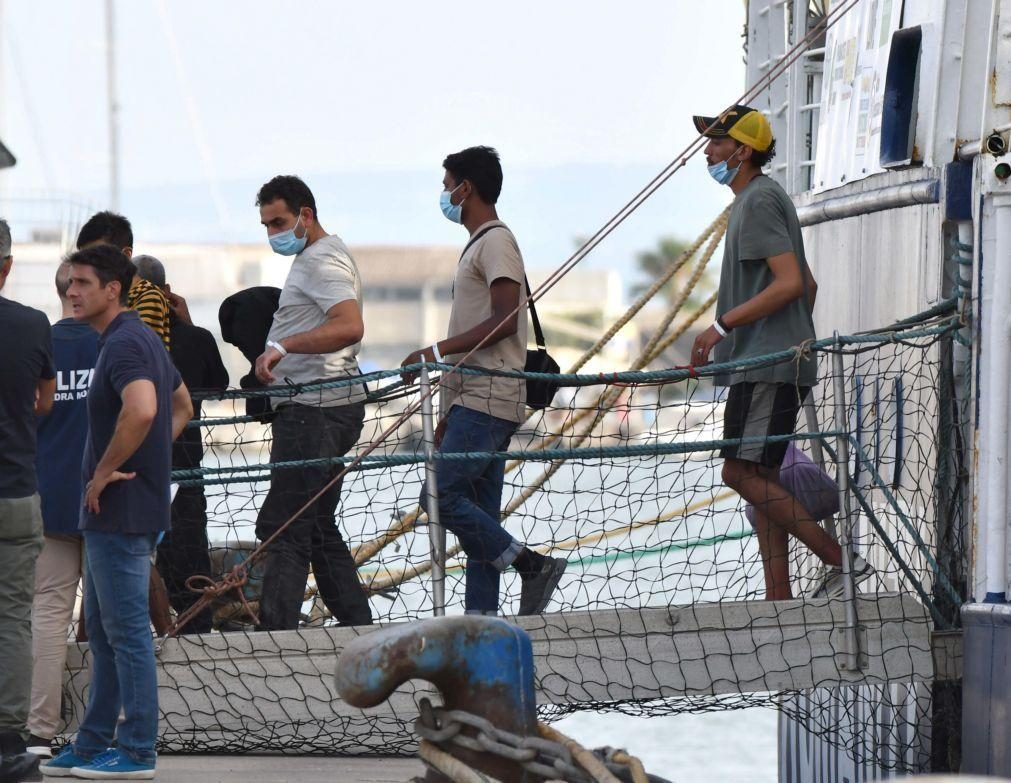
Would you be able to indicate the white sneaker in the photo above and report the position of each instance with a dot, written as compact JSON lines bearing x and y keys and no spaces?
{"x":818,"y":579}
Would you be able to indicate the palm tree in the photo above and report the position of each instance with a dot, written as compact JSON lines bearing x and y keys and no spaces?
{"x":653,"y":263}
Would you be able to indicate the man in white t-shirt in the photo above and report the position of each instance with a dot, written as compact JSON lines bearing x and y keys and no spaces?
{"x":316,"y":333}
{"x":480,"y":413}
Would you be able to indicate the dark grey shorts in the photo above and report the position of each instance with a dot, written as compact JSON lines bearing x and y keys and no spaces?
{"x":758,"y":410}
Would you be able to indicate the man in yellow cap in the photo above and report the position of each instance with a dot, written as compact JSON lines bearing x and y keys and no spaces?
{"x":765,"y":305}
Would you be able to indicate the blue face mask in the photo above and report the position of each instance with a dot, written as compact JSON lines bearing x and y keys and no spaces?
{"x":721,"y":173}
{"x":452,"y":211}
{"x":286,"y":243}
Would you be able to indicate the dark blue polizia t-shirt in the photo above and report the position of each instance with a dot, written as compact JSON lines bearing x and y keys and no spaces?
{"x":63,"y":432}
{"x":129,"y":351}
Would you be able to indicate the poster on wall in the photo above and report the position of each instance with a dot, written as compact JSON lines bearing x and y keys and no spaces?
{"x":853,"y":88}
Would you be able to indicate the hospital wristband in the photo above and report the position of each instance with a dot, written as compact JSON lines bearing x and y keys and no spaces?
{"x":277,"y":347}
{"x":437,"y":354}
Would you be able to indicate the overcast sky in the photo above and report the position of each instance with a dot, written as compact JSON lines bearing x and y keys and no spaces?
{"x":584,"y":100}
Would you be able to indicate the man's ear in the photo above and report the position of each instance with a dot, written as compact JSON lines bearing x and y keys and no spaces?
{"x":167,"y":289}
{"x":744,"y":152}
{"x":128,"y":252}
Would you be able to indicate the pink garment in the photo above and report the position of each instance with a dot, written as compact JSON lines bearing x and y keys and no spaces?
{"x":812,"y":486}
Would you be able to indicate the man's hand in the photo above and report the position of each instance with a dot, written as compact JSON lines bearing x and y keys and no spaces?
{"x":98,"y":484}
{"x":440,"y":432}
{"x":179,"y":307}
{"x":266,"y":362}
{"x":414,"y":357}
{"x":704,"y":343}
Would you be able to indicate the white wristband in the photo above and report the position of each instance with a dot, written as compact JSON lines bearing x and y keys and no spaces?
{"x":277,"y":347}
{"x":719,"y":329}
{"x":436,"y":354}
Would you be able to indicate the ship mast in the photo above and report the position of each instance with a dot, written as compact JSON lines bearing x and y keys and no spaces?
{"x":113,"y":105}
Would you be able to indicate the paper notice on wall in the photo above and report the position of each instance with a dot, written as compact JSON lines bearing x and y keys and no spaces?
{"x":853,"y":88}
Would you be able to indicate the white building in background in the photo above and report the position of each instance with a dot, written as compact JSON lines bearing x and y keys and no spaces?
{"x":407,"y":293}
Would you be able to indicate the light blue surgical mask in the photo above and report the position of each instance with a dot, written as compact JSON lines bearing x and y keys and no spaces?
{"x":722,"y":173}
{"x":286,"y":243}
{"x":452,"y":211}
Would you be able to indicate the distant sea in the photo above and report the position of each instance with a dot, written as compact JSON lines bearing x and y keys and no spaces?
{"x":738,"y":746}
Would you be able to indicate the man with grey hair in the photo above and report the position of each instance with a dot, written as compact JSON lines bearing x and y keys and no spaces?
{"x":27,"y":384}
{"x":184,"y":552}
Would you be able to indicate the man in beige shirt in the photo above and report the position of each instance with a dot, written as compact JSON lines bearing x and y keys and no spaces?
{"x":481,"y":412}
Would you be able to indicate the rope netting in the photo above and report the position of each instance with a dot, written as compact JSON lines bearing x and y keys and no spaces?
{"x":620,"y":476}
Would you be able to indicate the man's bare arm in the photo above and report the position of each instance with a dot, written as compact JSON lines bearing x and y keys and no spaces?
{"x":343,"y":327}
{"x":44,"y":394}
{"x":786,"y":286}
{"x":182,"y":410}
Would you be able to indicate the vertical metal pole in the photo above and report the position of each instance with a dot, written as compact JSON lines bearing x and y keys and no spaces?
{"x":851,"y":652}
{"x":436,"y":532}
{"x":113,"y":105}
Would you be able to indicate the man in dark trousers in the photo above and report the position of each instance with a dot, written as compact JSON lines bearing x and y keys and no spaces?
{"x":316,"y":333}
{"x":480,"y":413}
{"x":184,"y":552}
{"x":27,"y":384}
{"x":62,"y":435}
{"x":137,"y":405}
{"x":765,"y":304}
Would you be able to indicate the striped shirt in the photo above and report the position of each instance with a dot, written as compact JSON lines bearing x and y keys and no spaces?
{"x":151,"y":305}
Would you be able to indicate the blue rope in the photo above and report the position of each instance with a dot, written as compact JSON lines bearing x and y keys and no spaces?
{"x":192,"y":476}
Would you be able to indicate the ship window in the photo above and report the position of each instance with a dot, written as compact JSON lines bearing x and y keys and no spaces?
{"x":898,"y":115}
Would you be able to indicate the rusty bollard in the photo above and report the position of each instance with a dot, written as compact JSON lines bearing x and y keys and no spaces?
{"x":482,"y":665}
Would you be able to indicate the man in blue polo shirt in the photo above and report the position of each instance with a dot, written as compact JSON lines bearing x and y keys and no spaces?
{"x":137,"y":405}
{"x":62,"y":435}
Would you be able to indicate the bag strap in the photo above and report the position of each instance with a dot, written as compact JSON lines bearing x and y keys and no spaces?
{"x":538,"y":332}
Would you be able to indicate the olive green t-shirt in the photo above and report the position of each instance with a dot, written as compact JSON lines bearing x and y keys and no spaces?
{"x":495,"y":255}
{"x":763,"y":223}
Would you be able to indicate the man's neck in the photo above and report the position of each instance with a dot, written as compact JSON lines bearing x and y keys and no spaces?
{"x":68,"y":309}
{"x":316,"y":232}
{"x":478,"y":215}
{"x":743,"y":178}
{"x":101,"y":321}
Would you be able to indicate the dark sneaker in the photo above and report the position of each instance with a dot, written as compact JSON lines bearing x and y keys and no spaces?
{"x":114,"y":765}
{"x":40,"y":746}
{"x":16,"y":763}
{"x":536,"y":591}
{"x":61,"y":765}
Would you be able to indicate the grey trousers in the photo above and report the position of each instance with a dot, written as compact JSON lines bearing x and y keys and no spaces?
{"x":20,"y":544}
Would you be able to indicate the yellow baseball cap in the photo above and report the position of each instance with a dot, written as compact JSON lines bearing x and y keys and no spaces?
{"x":746,"y":125}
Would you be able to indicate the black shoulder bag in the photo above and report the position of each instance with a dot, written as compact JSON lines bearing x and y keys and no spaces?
{"x":540,"y":392}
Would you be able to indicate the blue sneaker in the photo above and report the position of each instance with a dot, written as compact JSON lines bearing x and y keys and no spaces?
{"x":60,"y":766}
{"x":113,"y":765}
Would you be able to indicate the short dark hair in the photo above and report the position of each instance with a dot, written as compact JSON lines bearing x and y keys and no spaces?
{"x":761,"y":159}
{"x":481,"y":166}
{"x":291,"y":190}
{"x":109,"y":264}
{"x":108,"y":227}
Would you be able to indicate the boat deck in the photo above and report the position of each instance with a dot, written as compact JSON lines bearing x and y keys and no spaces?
{"x":253,"y":768}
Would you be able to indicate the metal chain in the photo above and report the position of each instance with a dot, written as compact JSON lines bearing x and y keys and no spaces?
{"x":543,"y":757}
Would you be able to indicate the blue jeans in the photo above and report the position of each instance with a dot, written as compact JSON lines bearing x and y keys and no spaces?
{"x":470,"y":500}
{"x":122,"y":652}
